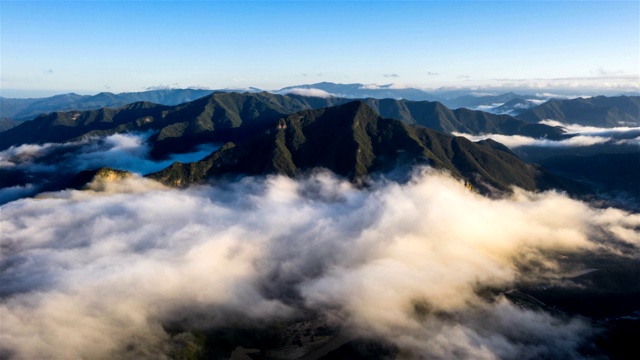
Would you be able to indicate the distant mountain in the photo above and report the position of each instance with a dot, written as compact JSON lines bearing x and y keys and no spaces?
{"x":515,"y":107}
{"x":361,"y":91}
{"x":222,"y":117}
{"x":6,"y":124}
{"x":599,"y":111}
{"x":352,"y":140}
{"x":471,"y":101}
{"x":65,"y":126}
{"x":435,"y":115}
{"x":27,"y":109}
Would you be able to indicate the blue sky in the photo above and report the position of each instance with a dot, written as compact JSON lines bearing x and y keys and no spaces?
{"x":91,"y":46}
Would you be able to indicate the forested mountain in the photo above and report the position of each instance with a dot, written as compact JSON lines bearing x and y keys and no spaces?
{"x":352,"y":140}
{"x":222,"y":117}
{"x":599,"y":111}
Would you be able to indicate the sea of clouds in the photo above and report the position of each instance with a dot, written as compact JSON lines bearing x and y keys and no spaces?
{"x":97,"y":274}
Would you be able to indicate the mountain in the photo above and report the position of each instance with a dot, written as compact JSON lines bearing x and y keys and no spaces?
{"x":27,"y":109}
{"x":598,"y":111}
{"x":361,"y":91}
{"x":6,"y":124}
{"x":65,"y":126}
{"x":435,"y":115}
{"x":515,"y":106}
{"x":352,"y":140}
{"x":607,"y":172}
{"x":472,"y":102}
{"x":223,"y":117}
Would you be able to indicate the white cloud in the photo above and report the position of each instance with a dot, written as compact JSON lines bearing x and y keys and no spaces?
{"x":384,"y":87}
{"x":560,"y":96}
{"x":397,"y":86}
{"x":308,"y":92}
{"x":162,"y":87}
{"x":514,"y":141}
{"x":551,"y":88}
{"x":634,"y":141}
{"x":87,"y":275}
{"x":582,"y":136}
{"x":592,"y":130}
{"x":53,"y":165}
{"x":488,"y":107}
{"x":536,"y":101}
{"x":372,"y":87}
{"x":120,"y":151}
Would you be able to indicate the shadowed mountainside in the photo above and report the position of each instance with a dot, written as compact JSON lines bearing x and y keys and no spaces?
{"x":352,"y":140}
{"x":223,"y":117}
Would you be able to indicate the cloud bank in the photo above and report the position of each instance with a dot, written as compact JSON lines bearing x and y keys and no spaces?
{"x":98,"y":274}
{"x":514,"y":141}
{"x":121,"y":151}
{"x":40,"y":165}
{"x":590,"y":130}
{"x":582,"y":136}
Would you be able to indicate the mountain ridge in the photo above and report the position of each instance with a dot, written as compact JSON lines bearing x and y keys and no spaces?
{"x":353,"y":141}
{"x":223,"y":117}
{"x":599,"y":111}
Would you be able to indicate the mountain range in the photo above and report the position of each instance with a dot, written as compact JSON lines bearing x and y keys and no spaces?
{"x":353,"y":140}
{"x":598,"y":111}
{"x":372,"y":143}
{"x":222,"y":117}
{"x":361,"y":91}
{"x":27,"y":109}
{"x":14,"y":110}
{"x":245,"y":122}
{"x":475,"y":101}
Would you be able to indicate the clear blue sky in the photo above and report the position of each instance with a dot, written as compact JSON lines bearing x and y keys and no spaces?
{"x":92,"y":46}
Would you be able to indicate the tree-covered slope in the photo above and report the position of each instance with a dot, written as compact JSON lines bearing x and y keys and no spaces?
{"x":599,"y":111}
{"x":223,"y":117}
{"x":352,"y":140}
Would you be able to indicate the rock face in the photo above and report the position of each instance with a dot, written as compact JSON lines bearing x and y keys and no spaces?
{"x":352,"y":140}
